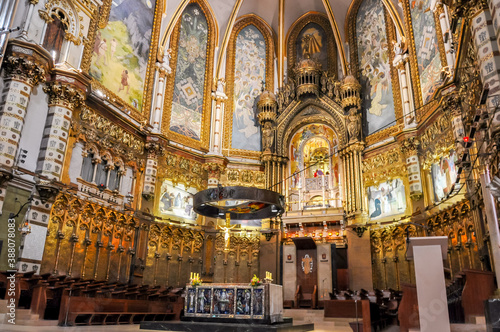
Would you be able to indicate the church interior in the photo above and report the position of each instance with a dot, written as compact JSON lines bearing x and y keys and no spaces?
{"x":374,"y":124}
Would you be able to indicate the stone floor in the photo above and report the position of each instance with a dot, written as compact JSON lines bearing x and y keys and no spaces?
{"x":321,"y":324}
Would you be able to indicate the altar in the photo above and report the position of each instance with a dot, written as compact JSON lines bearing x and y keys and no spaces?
{"x":228,"y":302}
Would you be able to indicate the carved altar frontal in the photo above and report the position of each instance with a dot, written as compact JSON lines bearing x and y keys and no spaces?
{"x":213,"y":302}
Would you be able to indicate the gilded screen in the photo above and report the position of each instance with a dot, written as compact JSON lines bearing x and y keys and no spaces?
{"x":375,"y":71}
{"x":426,"y":45}
{"x":249,"y":73}
{"x":187,"y":103}
{"x":121,"y":50}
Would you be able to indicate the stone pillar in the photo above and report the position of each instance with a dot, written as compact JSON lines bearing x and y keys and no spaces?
{"x":162,"y":71}
{"x":218,"y":100}
{"x":409,"y":149}
{"x":153,"y":150}
{"x":492,"y":220}
{"x":63,"y":99}
{"x":488,"y":58}
{"x":402,"y":65}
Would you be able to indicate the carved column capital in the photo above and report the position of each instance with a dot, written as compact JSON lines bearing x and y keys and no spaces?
{"x":24,"y":70}
{"x":64,"y":95}
{"x":409,"y":146}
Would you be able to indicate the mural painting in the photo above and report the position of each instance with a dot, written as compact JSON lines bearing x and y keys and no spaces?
{"x":426,"y":45}
{"x":312,"y":41}
{"x":177,"y":201}
{"x":310,"y":149}
{"x":444,"y":175}
{"x":386,"y":199}
{"x":121,"y":50}
{"x":375,"y":71}
{"x":187,"y":103}
{"x":250,"y":72}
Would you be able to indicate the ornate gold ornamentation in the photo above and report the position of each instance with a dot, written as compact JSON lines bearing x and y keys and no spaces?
{"x":183,"y":170}
{"x":64,"y":95}
{"x":24,"y":70}
{"x":384,"y":166}
{"x":110,"y":134}
{"x":249,"y":178}
{"x":409,"y":147}
{"x":68,"y":17}
{"x":204,"y":141}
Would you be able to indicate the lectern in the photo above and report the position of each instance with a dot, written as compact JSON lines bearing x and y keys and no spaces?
{"x":428,"y":254}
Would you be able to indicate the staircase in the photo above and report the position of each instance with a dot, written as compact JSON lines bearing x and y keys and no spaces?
{"x":23,"y":317}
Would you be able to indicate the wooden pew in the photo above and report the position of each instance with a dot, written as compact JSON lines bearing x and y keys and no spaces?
{"x":479,"y":286}
{"x":349,"y":309}
{"x":80,"y":310}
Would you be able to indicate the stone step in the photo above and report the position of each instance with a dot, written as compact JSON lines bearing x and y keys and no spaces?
{"x":468,"y":327}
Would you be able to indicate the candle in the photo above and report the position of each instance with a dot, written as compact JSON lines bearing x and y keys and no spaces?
{"x":191,"y":275}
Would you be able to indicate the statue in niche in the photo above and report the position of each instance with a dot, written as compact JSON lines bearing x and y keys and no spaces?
{"x":267,"y":137}
{"x":311,"y":43}
{"x":354,"y":125}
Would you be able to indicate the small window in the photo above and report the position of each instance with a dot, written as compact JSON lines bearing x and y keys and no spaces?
{"x":101,"y":175}
{"x":114,"y":178}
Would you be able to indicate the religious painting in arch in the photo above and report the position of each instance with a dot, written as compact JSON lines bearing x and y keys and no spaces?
{"x":312,"y":42}
{"x":121,"y":50}
{"x":427,"y":48}
{"x":444,"y":175}
{"x":374,"y":66}
{"x":187,"y":103}
{"x":314,"y":165}
{"x":249,"y":73}
{"x":177,"y":201}
{"x":386,"y":199}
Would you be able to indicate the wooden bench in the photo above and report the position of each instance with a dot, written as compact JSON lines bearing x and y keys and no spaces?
{"x":81,"y":310}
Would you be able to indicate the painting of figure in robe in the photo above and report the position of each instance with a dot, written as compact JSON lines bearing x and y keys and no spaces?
{"x":177,"y":201}
{"x":444,"y":175}
{"x":311,"y":42}
{"x":373,"y":56}
{"x":386,"y":199}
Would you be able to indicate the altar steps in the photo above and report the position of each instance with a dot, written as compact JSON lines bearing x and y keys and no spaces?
{"x":225,"y":327}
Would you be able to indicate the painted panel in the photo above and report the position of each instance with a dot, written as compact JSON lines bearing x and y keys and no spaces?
{"x":187,"y":103}
{"x":386,"y":199}
{"x":426,"y":45}
{"x":243,"y":301}
{"x":121,"y":49}
{"x":177,"y":201}
{"x":444,"y":175}
{"x":204,"y":300}
{"x":306,"y":146}
{"x":223,"y":303}
{"x":375,"y":71}
{"x":312,"y":40}
{"x":250,"y":72}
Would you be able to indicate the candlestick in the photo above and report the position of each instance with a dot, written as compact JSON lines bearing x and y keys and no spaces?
{"x":191,"y":275}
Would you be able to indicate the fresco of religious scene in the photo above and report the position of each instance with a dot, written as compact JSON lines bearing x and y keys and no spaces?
{"x":249,"y":73}
{"x":386,"y":199}
{"x":223,"y":303}
{"x":426,"y":44}
{"x":444,"y":175}
{"x":312,"y":42}
{"x":177,"y":201}
{"x":373,"y":56}
{"x":310,"y":150}
{"x":187,"y":102}
{"x":121,"y":50}
{"x":204,"y":301}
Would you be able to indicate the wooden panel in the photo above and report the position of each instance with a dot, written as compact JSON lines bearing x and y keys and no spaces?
{"x":408,"y":308}
{"x":479,"y":286}
{"x":307,"y":277}
{"x":342,"y":279}
{"x":349,"y":309}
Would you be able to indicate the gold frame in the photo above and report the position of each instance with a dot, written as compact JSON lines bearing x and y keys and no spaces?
{"x":265,"y":29}
{"x":100,"y":23}
{"x":390,"y":31}
{"x":415,"y":75}
{"x":294,"y":31}
{"x":203,"y":143}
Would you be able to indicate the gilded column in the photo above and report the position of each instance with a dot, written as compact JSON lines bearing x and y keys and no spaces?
{"x":64,"y":98}
{"x":162,"y":71}
{"x":442,"y":12}
{"x":409,"y":150}
{"x":218,"y":100}
{"x":153,"y":151}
